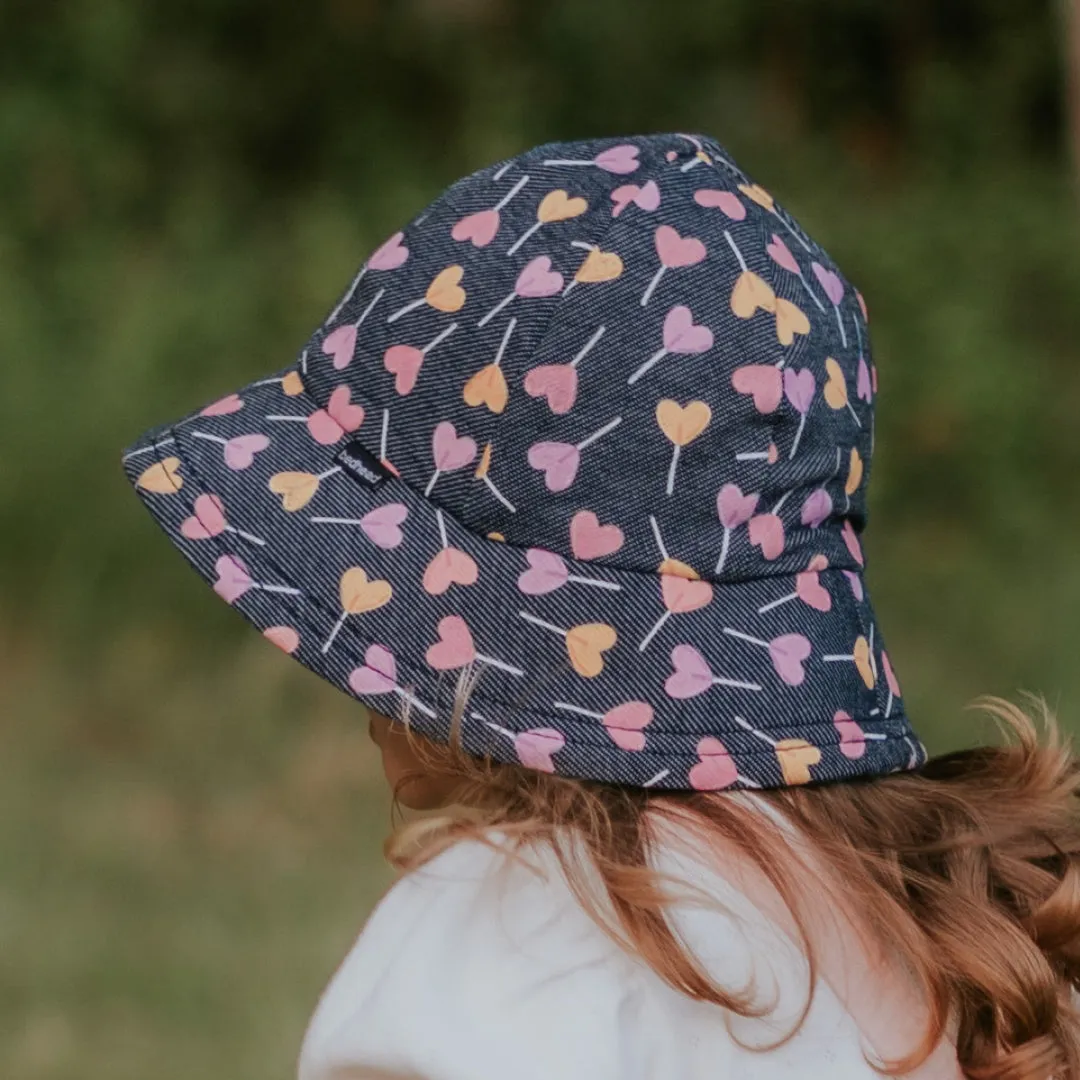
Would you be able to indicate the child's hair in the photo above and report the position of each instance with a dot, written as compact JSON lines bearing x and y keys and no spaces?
{"x":969,"y":867}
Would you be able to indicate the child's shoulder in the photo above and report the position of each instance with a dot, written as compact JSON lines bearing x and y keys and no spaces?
{"x":473,"y":955}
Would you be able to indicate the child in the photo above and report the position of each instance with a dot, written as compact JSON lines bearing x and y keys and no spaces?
{"x":568,"y":490}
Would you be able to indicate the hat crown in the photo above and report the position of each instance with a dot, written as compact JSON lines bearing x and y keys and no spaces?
{"x":621,"y":350}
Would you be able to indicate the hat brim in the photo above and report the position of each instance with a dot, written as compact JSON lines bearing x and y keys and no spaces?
{"x":681,"y":720}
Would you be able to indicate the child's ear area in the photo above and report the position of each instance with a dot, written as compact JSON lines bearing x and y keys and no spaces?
{"x":412,"y":778}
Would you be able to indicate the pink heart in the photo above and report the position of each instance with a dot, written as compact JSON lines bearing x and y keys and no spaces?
{"x":349,"y":417}
{"x":403,"y":361}
{"x":829,"y":281}
{"x":224,"y":406}
{"x":715,"y":770}
{"x":767,"y":531}
{"x":799,"y":387}
{"x":733,"y":507}
{"x":377,"y":675}
{"x":682,"y":336}
{"x":787,"y":653}
{"x":535,"y":747}
{"x":455,"y":648}
{"x":546,"y":573}
{"x":855,"y":581}
{"x":558,"y":461}
{"x":763,"y":381}
{"x":450,"y":450}
{"x":480,"y":227}
{"x":691,"y":676}
{"x":683,"y":594}
{"x":233,"y":579}
{"x":816,"y":508}
{"x":591,"y":540}
{"x":852,"y":740}
{"x":727,"y":201}
{"x":618,"y":159}
{"x":863,"y":385}
{"x":890,"y":675}
{"x":851,"y":540}
{"x":811,"y":591}
{"x":284,"y":637}
{"x":557,"y":382}
{"x":390,"y":254}
{"x":341,"y":344}
{"x":324,"y":428}
{"x":381,"y":525}
{"x":207,"y":520}
{"x":781,"y":254}
{"x":647,"y":197}
{"x":675,"y":250}
{"x":538,"y":279}
{"x":240,"y":451}
{"x":624,"y":724}
{"x":451,"y":566}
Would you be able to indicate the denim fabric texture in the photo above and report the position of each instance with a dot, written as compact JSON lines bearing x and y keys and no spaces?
{"x":596,"y":426}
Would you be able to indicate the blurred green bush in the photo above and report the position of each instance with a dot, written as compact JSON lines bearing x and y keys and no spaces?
{"x":189,"y":826}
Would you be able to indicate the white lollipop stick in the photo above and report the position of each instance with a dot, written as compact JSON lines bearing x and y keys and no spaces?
{"x":609,"y":426}
{"x":414,"y":701}
{"x":499,"y":495}
{"x":560,"y":161}
{"x":541,"y":623}
{"x":147,"y":449}
{"x":657,"y":778}
{"x":348,"y":296}
{"x":724,"y":545}
{"x":651,"y":287}
{"x":585,"y":349}
{"x":753,"y":455}
{"x":524,"y":236}
{"x":501,"y":665}
{"x":209,"y":438}
{"x":334,"y":633}
{"x":512,"y":192}
{"x":411,"y":306}
{"x":834,"y":657}
{"x":813,"y":295}
{"x":805,"y":245}
{"x":840,"y":323}
{"x":594,"y":582}
{"x":735,"y":249}
{"x":505,"y":340}
{"x":854,"y":414}
{"x":671,"y":471}
{"x":754,"y":731}
{"x":503,"y":171}
{"x":245,"y":536}
{"x":385,"y":434}
{"x":647,"y":366}
{"x":287,"y":419}
{"x":287,"y":590}
{"x":747,"y":637}
{"x":497,"y":308}
{"x":798,"y":434}
{"x":777,"y":603}
{"x":431,"y":483}
{"x":565,"y":706}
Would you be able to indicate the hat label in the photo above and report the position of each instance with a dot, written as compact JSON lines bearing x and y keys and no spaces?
{"x":362,"y":465}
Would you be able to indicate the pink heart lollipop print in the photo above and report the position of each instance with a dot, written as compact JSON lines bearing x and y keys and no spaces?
{"x":536,"y":747}
{"x":559,"y":382}
{"x":787,"y":653}
{"x":455,"y":648}
{"x":390,"y":254}
{"x":240,"y":450}
{"x":799,"y":388}
{"x":341,"y":345}
{"x":808,"y":589}
{"x":726,"y":201}
{"x":830,"y":281}
{"x":763,"y":381}
{"x":479,"y":228}
{"x":715,"y":770}
{"x":537,"y":279}
{"x":591,"y":540}
{"x":234,"y":579}
{"x":378,"y":673}
{"x":224,"y":406}
{"x":692,"y":675}
{"x":451,"y":566}
{"x":546,"y":573}
{"x":891,"y":681}
{"x":382,"y":526}
{"x":404,"y":361}
{"x":767,"y":532}
{"x":855,"y":581}
{"x":733,"y":508}
{"x":208,"y":520}
{"x":864,"y":387}
{"x":852,"y":740}
{"x":624,"y":723}
{"x":620,"y":160}
{"x":284,"y":637}
{"x":851,"y":539}
{"x":646,"y":197}
{"x":559,"y":461}
{"x":817,"y":506}
{"x":329,"y":425}
{"x":681,"y":335}
{"x":450,"y":451}
{"x":674,"y":251}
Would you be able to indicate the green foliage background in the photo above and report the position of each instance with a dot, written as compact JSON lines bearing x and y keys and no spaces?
{"x":190,"y":826}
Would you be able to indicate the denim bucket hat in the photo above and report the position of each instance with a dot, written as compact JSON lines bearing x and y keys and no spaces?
{"x":596,"y":425}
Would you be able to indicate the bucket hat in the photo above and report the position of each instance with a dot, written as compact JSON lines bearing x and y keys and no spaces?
{"x":595,"y":426}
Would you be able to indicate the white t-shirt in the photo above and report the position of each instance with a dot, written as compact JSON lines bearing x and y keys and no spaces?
{"x":480,"y":966}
